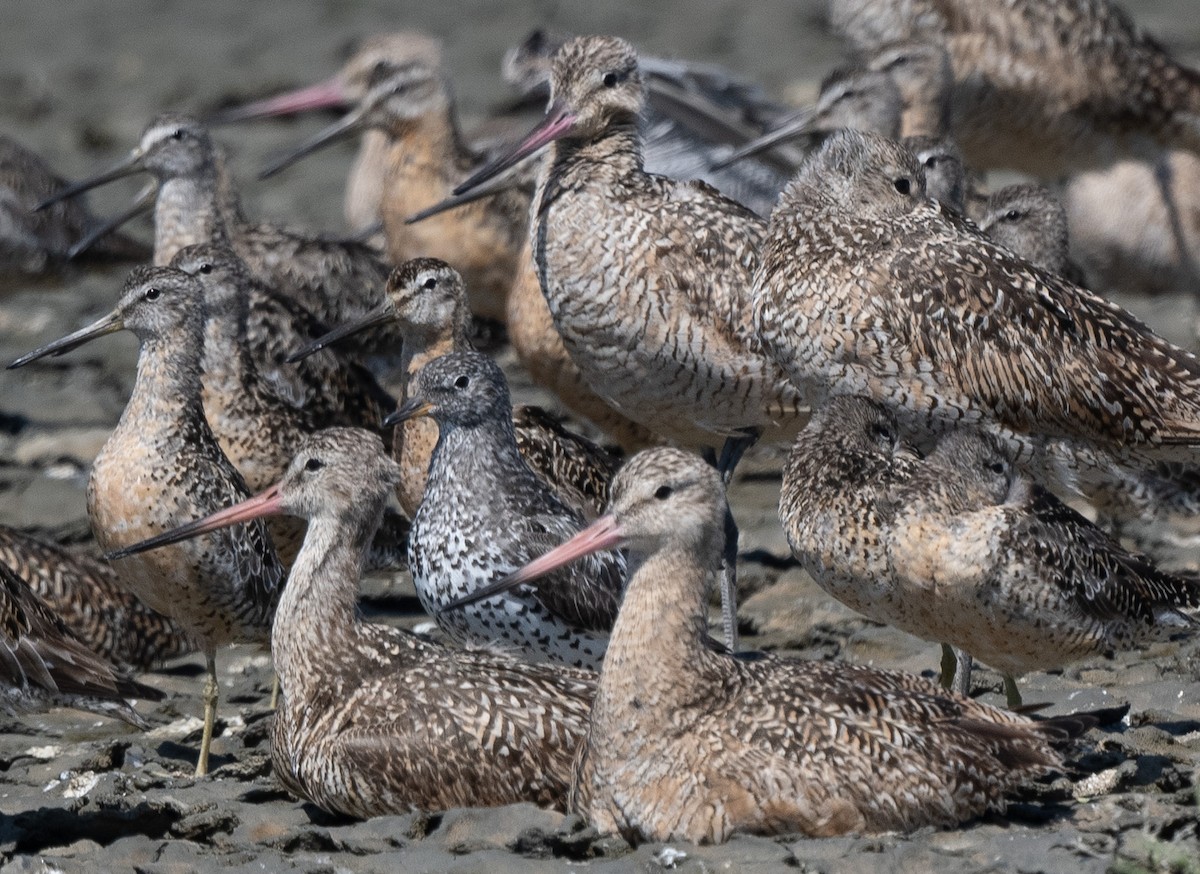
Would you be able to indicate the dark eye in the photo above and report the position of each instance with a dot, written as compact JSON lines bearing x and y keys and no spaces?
{"x":430,"y":283}
{"x":996,"y":467}
{"x":931,"y":162}
{"x":902,"y":185}
{"x":177,"y":134}
{"x":206,"y":268}
{"x":663,"y":492}
{"x":462,"y":382}
{"x":884,"y":433}
{"x":151,"y":293}
{"x":610,"y":80}
{"x":1012,"y":215}
{"x":314,"y":464}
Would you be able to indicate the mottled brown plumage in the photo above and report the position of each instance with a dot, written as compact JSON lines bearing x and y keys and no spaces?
{"x":42,"y":664}
{"x":1031,"y":221}
{"x":646,"y":277}
{"x":866,"y":287}
{"x":686,"y":743}
{"x":89,"y":598}
{"x":1043,"y":87}
{"x":374,"y":720}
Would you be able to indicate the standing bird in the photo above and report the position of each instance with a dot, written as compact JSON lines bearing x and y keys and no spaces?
{"x":685,"y":743}
{"x":42,"y":664}
{"x":374,"y":720}
{"x":866,"y":287}
{"x":335,"y":280}
{"x":485,"y":513}
{"x":646,"y":277}
{"x":427,"y":301}
{"x":88,"y":596}
{"x":161,"y":466}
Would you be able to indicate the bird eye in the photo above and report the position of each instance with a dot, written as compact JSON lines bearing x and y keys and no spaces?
{"x":177,"y":134}
{"x":883,"y":432}
{"x":610,"y":80}
{"x":1012,"y":215}
{"x":903,"y":185}
{"x":663,"y":492}
{"x":206,"y":268}
{"x":996,"y":467}
{"x":314,"y":464}
{"x":462,"y":382}
{"x":430,"y":283}
{"x":151,"y":294}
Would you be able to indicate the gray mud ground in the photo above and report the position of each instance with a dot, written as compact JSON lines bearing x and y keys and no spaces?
{"x":77,"y":82}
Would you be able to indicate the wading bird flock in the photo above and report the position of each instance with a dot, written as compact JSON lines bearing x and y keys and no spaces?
{"x":692,"y":267}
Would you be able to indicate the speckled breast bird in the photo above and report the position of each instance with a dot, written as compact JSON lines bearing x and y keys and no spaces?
{"x":866,"y":287}
{"x":646,"y":277}
{"x":485,"y":513}
{"x":1043,"y":87}
{"x":374,"y":720}
{"x":685,"y":743}
{"x":162,"y":465}
{"x":87,"y":595}
{"x":42,"y":664}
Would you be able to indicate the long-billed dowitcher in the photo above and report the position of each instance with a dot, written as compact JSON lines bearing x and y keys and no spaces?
{"x":162,"y":465}
{"x":646,"y":277}
{"x":866,"y":287}
{"x":485,"y":513}
{"x":87,"y":595}
{"x":427,"y":301}
{"x":685,"y":743}
{"x":375,"y":720}
{"x":197,"y":202}
{"x":33,"y":241}
{"x":1032,"y":222}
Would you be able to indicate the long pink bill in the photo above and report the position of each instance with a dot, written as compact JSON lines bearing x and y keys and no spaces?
{"x":266,"y":503}
{"x":558,"y":123}
{"x":604,"y":533}
{"x":323,"y":95}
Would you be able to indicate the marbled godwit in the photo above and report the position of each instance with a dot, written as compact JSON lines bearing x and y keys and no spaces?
{"x":328,"y":388}
{"x":1030,"y":220}
{"x":34,"y":241}
{"x":426,"y":157}
{"x":162,"y":464}
{"x":197,"y":202}
{"x":866,"y":287}
{"x":1003,"y":570}
{"x":377,"y":58}
{"x":687,"y":743}
{"x":646,"y":277}
{"x":428,"y":302}
{"x":1043,"y":87}
{"x":42,"y":664}
{"x":374,"y":720}
{"x":87,"y":596}
{"x":461,"y":543}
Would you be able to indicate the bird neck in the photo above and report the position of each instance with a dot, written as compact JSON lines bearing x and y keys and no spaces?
{"x":657,"y":641}
{"x":614,"y":153}
{"x":185,"y":213}
{"x":317,"y":610}
{"x":476,"y":453}
{"x":228,"y":365}
{"x":167,"y":386}
{"x":422,"y":346}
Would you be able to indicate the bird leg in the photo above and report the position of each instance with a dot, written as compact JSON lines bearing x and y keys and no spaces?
{"x":1011,"y":693}
{"x":731,"y":453}
{"x":275,"y":691}
{"x":211,"y":694}
{"x":956,"y":670}
{"x":949,"y":663}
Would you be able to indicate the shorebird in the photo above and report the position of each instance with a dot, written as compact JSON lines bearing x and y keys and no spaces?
{"x":326,"y":389}
{"x":376,"y":58}
{"x":427,"y":301}
{"x":947,"y":179}
{"x":485,"y":513}
{"x":1030,"y":220}
{"x":1046,"y":88}
{"x":42,"y":664}
{"x":32,"y":241}
{"x":87,"y":595}
{"x":374,"y":720}
{"x":646,"y":277}
{"x":335,"y":280}
{"x":866,"y":287}
{"x":162,"y":465}
{"x":998,"y":567}
{"x":685,"y":743}
{"x":426,"y":157}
